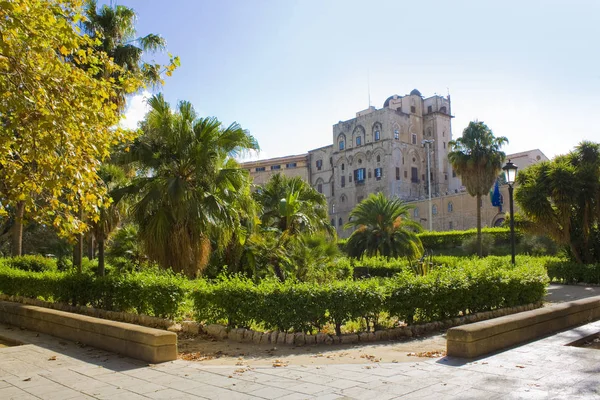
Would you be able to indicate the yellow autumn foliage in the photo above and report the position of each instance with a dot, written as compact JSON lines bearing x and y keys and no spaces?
{"x":57,"y":122}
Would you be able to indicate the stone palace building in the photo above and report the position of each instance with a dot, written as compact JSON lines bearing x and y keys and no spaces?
{"x":386,"y":150}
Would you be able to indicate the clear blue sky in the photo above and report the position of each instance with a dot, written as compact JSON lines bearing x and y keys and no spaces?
{"x":288,"y":70}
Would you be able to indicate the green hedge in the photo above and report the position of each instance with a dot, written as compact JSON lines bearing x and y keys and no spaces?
{"x":153,"y":292}
{"x":451,"y":239}
{"x":474,"y":285}
{"x":570,"y":272}
{"x":35,"y":263}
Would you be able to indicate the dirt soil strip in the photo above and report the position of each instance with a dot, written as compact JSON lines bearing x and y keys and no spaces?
{"x":211,"y":352}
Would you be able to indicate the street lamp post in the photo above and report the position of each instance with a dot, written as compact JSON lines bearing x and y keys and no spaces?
{"x":510,"y":172}
{"x":428,"y":143}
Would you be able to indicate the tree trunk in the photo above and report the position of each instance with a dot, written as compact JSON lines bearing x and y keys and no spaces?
{"x":479,"y":242}
{"x":90,"y":245}
{"x":16,"y":245}
{"x":78,"y":249}
{"x":101,"y":271}
{"x":578,"y":258}
{"x":78,"y":253}
{"x":278,"y":272}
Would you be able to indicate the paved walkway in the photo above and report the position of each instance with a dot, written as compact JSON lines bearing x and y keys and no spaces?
{"x":51,"y":368}
{"x":561,"y":293}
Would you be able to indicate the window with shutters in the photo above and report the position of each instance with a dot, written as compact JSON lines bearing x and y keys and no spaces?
{"x":359,"y":176}
{"x":378,"y":174}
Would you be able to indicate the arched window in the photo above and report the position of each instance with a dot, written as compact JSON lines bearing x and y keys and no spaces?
{"x":443,"y":109}
{"x":332,"y":222}
{"x":450,"y":207}
{"x":434,"y":209}
{"x":378,"y":158}
{"x":358,"y":140}
{"x":341,"y":141}
{"x":340,"y":222}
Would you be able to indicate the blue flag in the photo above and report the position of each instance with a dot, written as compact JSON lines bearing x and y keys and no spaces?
{"x":496,"y":197}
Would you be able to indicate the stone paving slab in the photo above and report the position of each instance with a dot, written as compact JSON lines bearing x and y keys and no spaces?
{"x":50,"y":368}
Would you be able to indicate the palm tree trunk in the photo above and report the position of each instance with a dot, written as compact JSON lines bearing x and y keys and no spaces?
{"x":479,"y":242}
{"x":101,"y":269}
{"x":17,"y":230}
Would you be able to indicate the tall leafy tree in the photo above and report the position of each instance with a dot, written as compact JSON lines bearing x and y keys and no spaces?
{"x":477,"y":159}
{"x":383,"y":227}
{"x":189,"y":187}
{"x":57,"y":117}
{"x":561,"y":198}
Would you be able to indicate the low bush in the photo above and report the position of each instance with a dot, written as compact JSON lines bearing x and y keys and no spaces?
{"x":437,"y":241}
{"x":34,"y":263}
{"x":470,"y":285}
{"x":157,"y":293}
{"x":569,"y":272}
{"x":471,"y":247}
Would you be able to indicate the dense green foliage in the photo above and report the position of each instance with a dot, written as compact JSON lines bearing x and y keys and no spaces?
{"x":456,"y":285}
{"x":561,"y":199}
{"x":450,"y":239}
{"x":383,"y":227}
{"x":572,"y":272}
{"x":477,"y":159}
{"x":464,"y":287}
{"x":34,"y":263}
{"x":151,"y":292}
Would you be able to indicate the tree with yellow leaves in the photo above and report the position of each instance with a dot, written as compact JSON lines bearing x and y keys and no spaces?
{"x":58,"y":118}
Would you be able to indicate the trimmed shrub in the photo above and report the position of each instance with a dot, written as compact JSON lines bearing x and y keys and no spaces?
{"x":470,"y":247}
{"x":35,"y":263}
{"x":570,"y":272}
{"x":466,"y":286}
{"x":157,"y":293}
{"x":451,"y":239}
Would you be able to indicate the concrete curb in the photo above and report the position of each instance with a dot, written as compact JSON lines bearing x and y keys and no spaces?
{"x":487,"y":336}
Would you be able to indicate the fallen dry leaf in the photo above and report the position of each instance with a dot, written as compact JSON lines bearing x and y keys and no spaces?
{"x":53,"y":358}
{"x":279,"y":363}
{"x":197,"y":356}
{"x":430,"y":354}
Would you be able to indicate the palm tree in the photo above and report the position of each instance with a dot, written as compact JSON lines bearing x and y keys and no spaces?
{"x":477,"y":159}
{"x":189,"y":188}
{"x":384,"y":228}
{"x":291,"y":209}
{"x":114,"y":178}
{"x":114,"y":27}
{"x":293,"y":206}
